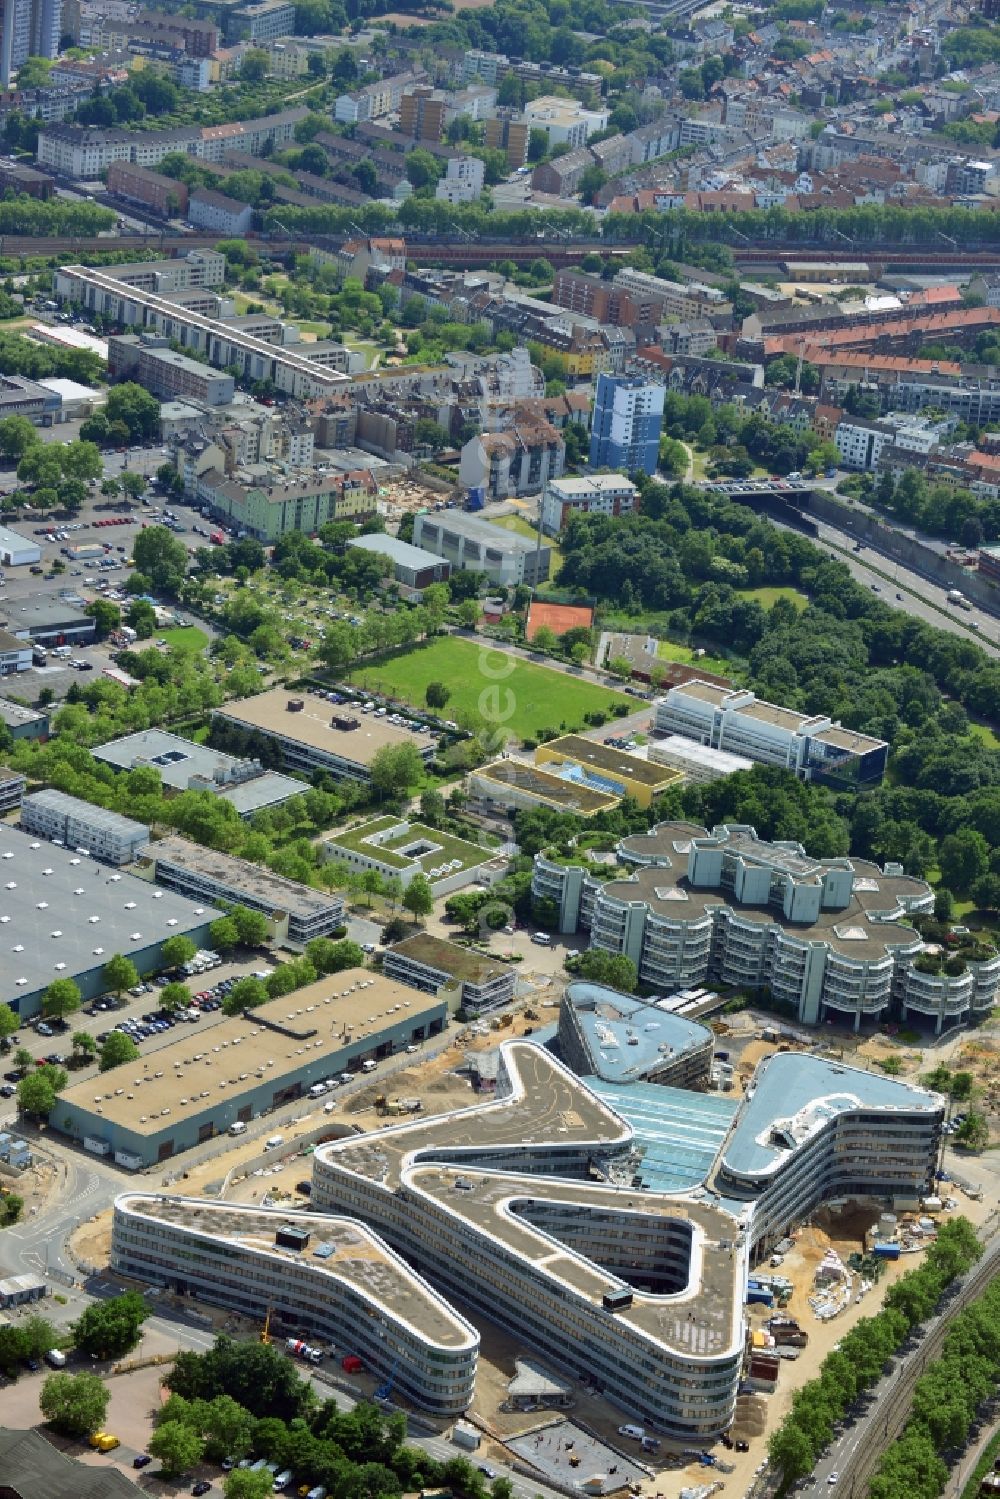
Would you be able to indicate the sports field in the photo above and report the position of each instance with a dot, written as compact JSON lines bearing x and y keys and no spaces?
{"x":497,"y":690}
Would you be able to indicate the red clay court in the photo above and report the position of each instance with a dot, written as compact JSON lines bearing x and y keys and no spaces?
{"x":558,"y":618}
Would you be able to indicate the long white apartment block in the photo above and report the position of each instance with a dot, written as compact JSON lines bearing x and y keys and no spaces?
{"x":326,"y":1279}
{"x":99,"y":291}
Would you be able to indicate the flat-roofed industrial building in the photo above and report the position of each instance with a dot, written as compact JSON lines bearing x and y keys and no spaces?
{"x":243,"y":1067}
{"x":183,"y":765}
{"x":63,"y":915}
{"x":341,"y":741}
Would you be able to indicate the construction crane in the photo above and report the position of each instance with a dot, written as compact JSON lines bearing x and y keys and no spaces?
{"x":385,"y":1389}
{"x":265,"y":1334}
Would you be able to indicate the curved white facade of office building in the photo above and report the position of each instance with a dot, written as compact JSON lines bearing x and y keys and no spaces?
{"x":344,"y":1287}
{"x":638,"y":1292}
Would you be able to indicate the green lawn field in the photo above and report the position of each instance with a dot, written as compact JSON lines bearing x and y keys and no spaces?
{"x":986,"y":734}
{"x":767,"y":597}
{"x":523,"y":699}
{"x":185,"y":637}
{"x":669,"y":650}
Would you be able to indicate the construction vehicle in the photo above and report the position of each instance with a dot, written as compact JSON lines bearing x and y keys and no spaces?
{"x":298,"y":1349}
{"x":385,"y":1389}
{"x":265,"y":1334}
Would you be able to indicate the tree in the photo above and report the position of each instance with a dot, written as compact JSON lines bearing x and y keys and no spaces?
{"x":247,"y":994}
{"x":432,"y":808}
{"x":61,"y":998}
{"x":109,"y":1329}
{"x":74,"y":1403}
{"x":133,"y":405}
{"x":141,"y":617}
{"x":9,"y":1023}
{"x":161,"y":556}
{"x":251,"y":926}
{"x":256,"y":1376}
{"x":468,"y":614}
{"x":17,"y":435}
{"x":544,"y":639}
{"x":84,"y":1046}
{"x":118,"y":1049}
{"x":178,"y":1448}
{"x":255,"y":65}
{"x":242,"y":1484}
{"x":36,"y":1093}
{"x":132,"y":484}
{"x":613,"y":969}
{"x":176,"y":951}
{"x":791,"y":1452}
{"x":395,"y":768}
{"x":106,"y":616}
{"x":973,"y":1132}
{"x":224,"y":934}
{"x":418,"y":897}
{"x":963,"y":858}
{"x":175,"y":997}
{"x":120,"y":973}
{"x":437,"y":694}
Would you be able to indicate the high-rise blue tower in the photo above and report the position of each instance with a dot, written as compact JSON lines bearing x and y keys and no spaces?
{"x":625,"y":431}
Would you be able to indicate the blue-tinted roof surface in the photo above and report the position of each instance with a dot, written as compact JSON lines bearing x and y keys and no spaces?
{"x":626,"y":1036}
{"x":679,"y":1132}
{"x":802,"y":1091}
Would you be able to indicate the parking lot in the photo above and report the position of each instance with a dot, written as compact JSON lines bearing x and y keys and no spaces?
{"x":99,"y":1018}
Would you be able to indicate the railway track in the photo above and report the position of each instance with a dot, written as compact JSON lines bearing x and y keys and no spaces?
{"x":889,"y":1414}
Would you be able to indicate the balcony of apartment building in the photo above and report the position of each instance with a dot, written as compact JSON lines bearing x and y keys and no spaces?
{"x":607,"y":929}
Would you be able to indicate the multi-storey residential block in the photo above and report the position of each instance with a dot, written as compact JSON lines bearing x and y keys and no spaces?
{"x":267,"y":503}
{"x":733,"y":719}
{"x":329,"y":1279}
{"x":476,"y":982}
{"x":421,"y":113}
{"x":300,"y":369}
{"x":625,"y":429}
{"x":164,"y":195}
{"x":596,"y":494}
{"x":218,"y":214}
{"x":148,"y":359}
{"x":80,"y":825}
{"x":297,"y":913}
{"x":520,"y":460}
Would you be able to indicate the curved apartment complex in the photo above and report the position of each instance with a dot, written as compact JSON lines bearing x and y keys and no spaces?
{"x":328,"y":1278}
{"x":508,"y":1206}
{"x":829,"y":936}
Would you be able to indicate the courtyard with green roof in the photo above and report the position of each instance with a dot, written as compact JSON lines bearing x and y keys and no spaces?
{"x":408,"y":848}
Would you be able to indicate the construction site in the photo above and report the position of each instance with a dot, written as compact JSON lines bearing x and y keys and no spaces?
{"x":802,"y":1297}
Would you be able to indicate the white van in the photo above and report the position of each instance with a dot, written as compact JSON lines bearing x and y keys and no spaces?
{"x":542,"y":938}
{"x":368,"y":1066}
{"x":282,"y":1480}
{"x":635,"y":1432}
{"x":239,"y":1128}
{"x":317,"y":1090}
{"x":274,"y":1142}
